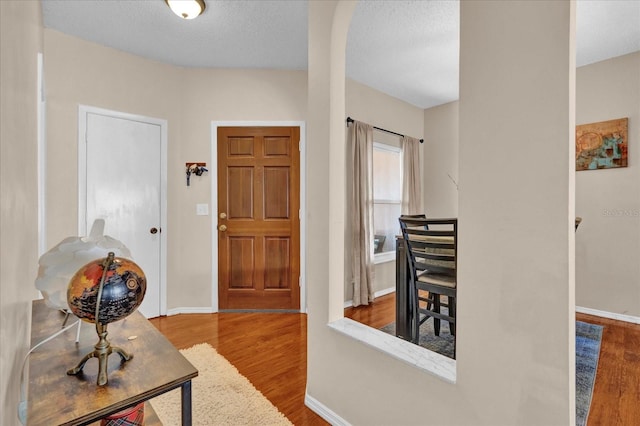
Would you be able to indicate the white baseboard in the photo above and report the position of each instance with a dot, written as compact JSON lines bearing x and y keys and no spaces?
{"x":202,"y":310}
{"x":380,"y":293}
{"x":385,"y":291}
{"x":610,"y":315}
{"x":324,"y":412}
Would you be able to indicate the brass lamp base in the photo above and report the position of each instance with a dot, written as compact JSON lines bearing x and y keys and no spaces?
{"x":102,"y":351}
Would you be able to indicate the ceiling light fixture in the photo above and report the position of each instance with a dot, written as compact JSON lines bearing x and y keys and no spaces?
{"x":186,"y":9}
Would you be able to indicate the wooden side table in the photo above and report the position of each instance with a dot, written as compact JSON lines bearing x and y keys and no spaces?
{"x":54,"y":398}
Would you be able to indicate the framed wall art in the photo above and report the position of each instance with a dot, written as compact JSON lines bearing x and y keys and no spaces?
{"x":602,"y":145}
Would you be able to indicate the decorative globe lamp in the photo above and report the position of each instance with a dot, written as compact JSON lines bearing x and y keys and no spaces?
{"x":101,"y":292}
{"x":60,"y":263}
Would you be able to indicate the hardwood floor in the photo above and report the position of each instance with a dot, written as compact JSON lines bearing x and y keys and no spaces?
{"x":271,"y":351}
{"x":268,"y":349}
{"x":616,"y":394}
{"x":377,"y":314}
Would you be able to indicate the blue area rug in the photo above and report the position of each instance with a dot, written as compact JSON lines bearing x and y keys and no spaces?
{"x":588,"y":338}
{"x":442,"y":344}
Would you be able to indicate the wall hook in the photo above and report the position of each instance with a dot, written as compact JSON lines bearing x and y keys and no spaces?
{"x":196,"y":168}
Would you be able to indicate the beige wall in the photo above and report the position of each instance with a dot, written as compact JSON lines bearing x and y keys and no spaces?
{"x":531,"y":387}
{"x":608,"y":239}
{"x":20,"y":42}
{"x":506,"y":354}
{"x":80,"y":72}
{"x":84,"y":73}
{"x":381,"y":110}
{"x":516,"y":246}
{"x":441,"y":160}
{"x":218,"y":95}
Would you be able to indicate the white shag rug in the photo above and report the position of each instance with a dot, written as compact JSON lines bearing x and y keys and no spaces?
{"x":220,"y":395}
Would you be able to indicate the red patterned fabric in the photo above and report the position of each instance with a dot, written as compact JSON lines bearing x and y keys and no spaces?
{"x":133,"y":416}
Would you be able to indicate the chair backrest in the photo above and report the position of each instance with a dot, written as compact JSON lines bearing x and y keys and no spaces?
{"x":431,"y":244}
{"x":415,"y":216}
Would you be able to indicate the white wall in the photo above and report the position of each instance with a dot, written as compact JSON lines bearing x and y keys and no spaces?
{"x":20,"y":42}
{"x":506,"y":355}
{"x":608,"y":200}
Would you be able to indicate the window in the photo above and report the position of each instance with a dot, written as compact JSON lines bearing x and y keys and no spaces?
{"x":387,"y":199}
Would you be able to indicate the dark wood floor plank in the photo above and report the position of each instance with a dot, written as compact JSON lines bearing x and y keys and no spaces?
{"x":630,"y":390}
{"x":606,"y":394}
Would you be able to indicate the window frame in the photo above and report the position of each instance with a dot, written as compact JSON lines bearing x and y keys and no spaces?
{"x":387,"y":256}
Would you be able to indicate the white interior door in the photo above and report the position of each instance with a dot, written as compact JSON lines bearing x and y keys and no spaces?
{"x":123,"y":185}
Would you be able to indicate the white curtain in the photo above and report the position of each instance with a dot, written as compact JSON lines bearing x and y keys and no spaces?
{"x":411,"y":179}
{"x":361,"y":140}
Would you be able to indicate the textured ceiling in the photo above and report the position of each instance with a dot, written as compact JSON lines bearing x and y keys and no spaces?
{"x":407,"y":49}
{"x":229,"y":34}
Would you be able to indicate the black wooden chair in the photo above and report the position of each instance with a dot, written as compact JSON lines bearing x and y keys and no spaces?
{"x":415,"y":216}
{"x":431,"y":247}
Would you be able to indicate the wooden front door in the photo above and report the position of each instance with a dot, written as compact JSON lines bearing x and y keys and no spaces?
{"x":258,"y":217}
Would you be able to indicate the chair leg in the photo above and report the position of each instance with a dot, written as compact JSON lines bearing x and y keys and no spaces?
{"x":415,"y":305}
{"x":436,"y":308}
{"x":416,"y":323}
{"x":452,"y":314}
{"x":452,"y":325}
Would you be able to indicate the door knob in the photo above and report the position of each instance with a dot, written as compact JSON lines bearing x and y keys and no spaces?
{"x":223,"y":228}
{"x":223,"y":215}
{"x":153,"y":230}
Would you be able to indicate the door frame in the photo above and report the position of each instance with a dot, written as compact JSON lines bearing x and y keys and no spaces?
{"x":83,"y":111}
{"x":213,"y":172}
{"x":41,"y":111}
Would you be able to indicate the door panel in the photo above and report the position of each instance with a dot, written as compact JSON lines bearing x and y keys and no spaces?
{"x":240,"y":147}
{"x":277,"y":263}
{"x":241,"y":262}
{"x":240,"y":192}
{"x":123,"y":187}
{"x":274,"y":147}
{"x":276,"y":192}
{"x":258,"y":223}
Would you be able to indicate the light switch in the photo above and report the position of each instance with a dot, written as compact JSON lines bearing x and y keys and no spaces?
{"x":202,"y":209}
